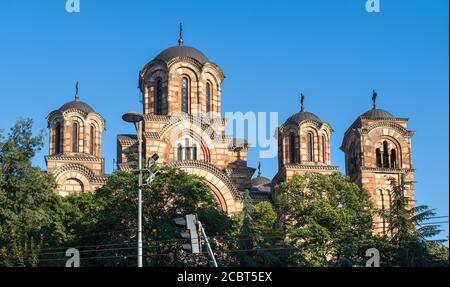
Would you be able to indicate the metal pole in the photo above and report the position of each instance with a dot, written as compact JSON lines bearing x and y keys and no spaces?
{"x":208,"y":245}
{"x":139,"y":135}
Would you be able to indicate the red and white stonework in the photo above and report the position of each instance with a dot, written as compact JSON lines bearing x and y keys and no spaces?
{"x":181,"y":91}
{"x":75,"y":155}
{"x":377,"y":146}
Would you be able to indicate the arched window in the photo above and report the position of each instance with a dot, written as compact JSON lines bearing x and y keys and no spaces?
{"x":187,"y":151}
{"x":393,"y":158}
{"x":194,"y":151}
{"x":208,"y":97}
{"x":310,"y":147}
{"x":385,"y":154}
{"x":179,"y":152}
{"x":292,"y":147}
{"x":74,"y":137}
{"x":92,"y":140}
{"x":378,"y":158}
{"x":185,"y":95}
{"x":324,"y":152}
{"x":58,"y":138}
{"x":159,"y":95}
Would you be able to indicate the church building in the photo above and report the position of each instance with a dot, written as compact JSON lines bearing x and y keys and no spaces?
{"x":182,"y":95}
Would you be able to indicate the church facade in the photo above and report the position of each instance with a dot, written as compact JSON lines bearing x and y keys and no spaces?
{"x":181,"y":92}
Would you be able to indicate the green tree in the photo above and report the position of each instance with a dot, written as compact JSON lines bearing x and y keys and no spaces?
{"x":327,"y":220}
{"x":258,"y":242}
{"x":29,"y":218}
{"x":408,"y":228}
{"x":110,"y":224}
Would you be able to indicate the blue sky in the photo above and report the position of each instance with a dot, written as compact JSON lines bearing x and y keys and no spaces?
{"x":270,"y":51}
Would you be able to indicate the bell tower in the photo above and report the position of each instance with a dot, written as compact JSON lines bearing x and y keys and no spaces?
{"x":75,"y":155}
{"x":377,"y":147}
{"x":303,"y":145}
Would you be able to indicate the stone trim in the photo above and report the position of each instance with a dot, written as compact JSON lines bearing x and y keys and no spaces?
{"x":84,"y":114}
{"x":127,"y":139}
{"x":248,"y":171}
{"x":125,"y":166}
{"x":81,"y":157}
{"x":151,"y":135}
{"x":387,"y":170}
{"x":77,"y":168}
{"x":311,"y":167}
{"x":395,"y":126}
{"x":383,"y":119}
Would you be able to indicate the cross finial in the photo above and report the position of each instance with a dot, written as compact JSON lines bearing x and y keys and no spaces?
{"x":374,"y":99}
{"x":77,"y":97}
{"x":259,"y":169}
{"x":302,"y":102}
{"x":180,"y":40}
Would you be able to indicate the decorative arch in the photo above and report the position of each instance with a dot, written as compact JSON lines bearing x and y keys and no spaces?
{"x":379,"y":151}
{"x":74,"y":172}
{"x":224,"y":191}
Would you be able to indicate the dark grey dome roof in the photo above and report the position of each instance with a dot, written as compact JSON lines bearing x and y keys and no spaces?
{"x":377,"y":113}
{"x":260,"y":181}
{"x":303,"y":116}
{"x":82,"y":106}
{"x":182,"y":51}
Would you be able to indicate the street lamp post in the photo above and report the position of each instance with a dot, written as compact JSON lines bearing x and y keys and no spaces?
{"x":137,"y":119}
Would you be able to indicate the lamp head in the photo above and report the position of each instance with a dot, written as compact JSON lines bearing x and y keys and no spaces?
{"x":133,"y":117}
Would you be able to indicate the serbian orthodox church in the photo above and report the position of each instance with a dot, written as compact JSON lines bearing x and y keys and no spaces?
{"x":182,"y":96}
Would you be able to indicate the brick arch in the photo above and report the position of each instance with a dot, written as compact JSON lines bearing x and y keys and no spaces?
{"x":221,"y":186}
{"x":390,"y":125}
{"x":397,"y":145}
{"x":380,"y":133}
{"x":168,"y":143}
{"x":74,"y":175}
{"x":171,"y":133}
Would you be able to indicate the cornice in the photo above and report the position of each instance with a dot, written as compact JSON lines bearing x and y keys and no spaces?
{"x":80,"y":158}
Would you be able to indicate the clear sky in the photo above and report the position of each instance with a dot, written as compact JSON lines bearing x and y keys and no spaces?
{"x":270,"y":51}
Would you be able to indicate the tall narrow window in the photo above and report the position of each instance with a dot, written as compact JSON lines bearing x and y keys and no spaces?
{"x":92,"y":140}
{"x":185,"y":95}
{"x":385,"y":154}
{"x":179,"y":152}
{"x":324,"y":150}
{"x":194,"y":151}
{"x":393,"y":158}
{"x":187,"y":151}
{"x":310,"y":147}
{"x":159,"y":95}
{"x":292,"y":142}
{"x":378,"y":158}
{"x":74,"y":137}
{"x":208,"y":97}
{"x":58,"y":138}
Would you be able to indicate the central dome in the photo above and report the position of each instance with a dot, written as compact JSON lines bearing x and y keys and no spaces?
{"x":303,"y":116}
{"x":378,"y":113}
{"x":77,"y":105}
{"x":183,"y":52}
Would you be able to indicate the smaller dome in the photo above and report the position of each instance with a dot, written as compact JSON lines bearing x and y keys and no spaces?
{"x":260,"y":181}
{"x":378,"y":113}
{"x":182,"y":51}
{"x":78,"y":105}
{"x":303,"y":116}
